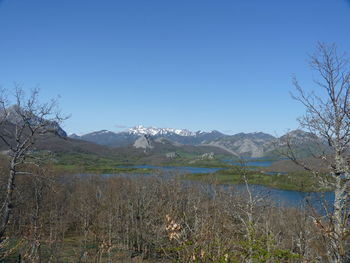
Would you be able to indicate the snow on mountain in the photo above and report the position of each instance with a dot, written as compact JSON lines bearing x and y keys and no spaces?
{"x":124,"y":138}
{"x":256,"y":144}
{"x":141,"y":130}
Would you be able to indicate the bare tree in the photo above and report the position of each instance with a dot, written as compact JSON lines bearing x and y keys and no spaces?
{"x":21,"y":125}
{"x":328,"y":117}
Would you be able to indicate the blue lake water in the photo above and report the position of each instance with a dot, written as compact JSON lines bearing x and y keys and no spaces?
{"x":255,"y":163}
{"x":290,"y":198}
{"x":251,"y":162}
{"x":275,"y":173}
{"x":176,"y":169}
{"x":280,"y":197}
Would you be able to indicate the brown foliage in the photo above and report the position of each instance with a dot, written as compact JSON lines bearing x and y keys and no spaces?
{"x":106,"y":219}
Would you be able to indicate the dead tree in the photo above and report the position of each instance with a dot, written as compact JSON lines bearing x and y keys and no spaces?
{"x":22,"y":122}
{"x":328,"y":117}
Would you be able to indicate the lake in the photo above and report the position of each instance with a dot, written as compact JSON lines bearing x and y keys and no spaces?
{"x":288,"y":197}
{"x":251,"y":162}
{"x":280,"y":197}
{"x":255,"y":163}
{"x":173,"y":170}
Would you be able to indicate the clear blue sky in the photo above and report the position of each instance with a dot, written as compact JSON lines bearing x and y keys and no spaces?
{"x":196,"y":64}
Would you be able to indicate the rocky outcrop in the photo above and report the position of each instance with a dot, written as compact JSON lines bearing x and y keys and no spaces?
{"x":172,"y":155}
{"x":13,"y":115}
{"x":125,"y":138}
{"x":207,"y":156}
{"x":144,"y":142}
{"x":245,"y":144}
{"x":257,"y":144}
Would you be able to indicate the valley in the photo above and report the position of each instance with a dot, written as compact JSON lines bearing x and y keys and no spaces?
{"x":142,"y":173}
{"x":142,"y":150}
{"x":174,"y":131}
{"x":197,"y":156}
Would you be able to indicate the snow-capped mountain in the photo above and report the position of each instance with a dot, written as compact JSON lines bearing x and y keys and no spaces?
{"x":153,"y":131}
{"x":128,"y":137}
{"x":257,"y":144}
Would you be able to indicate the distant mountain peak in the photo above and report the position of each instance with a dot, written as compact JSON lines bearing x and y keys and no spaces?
{"x":14,"y":114}
{"x":254,"y":135}
{"x":142,"y":130}
{"x":299,"y":136}
{"x":102,"y":132}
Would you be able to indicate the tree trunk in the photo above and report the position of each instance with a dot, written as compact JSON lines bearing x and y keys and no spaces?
{"x":338,"y":241}
{"x":8,"y":200}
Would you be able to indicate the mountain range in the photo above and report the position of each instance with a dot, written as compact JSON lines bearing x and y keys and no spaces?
{"x":150,"y":145}
{"x":126,"y":138}
{"x":257,"y":144}
{"x":141,"y":142}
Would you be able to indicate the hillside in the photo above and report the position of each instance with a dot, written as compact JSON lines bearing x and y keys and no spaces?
{"x":167,"y":145}
{"x":125,"y":138}
{"x":254,"y":145}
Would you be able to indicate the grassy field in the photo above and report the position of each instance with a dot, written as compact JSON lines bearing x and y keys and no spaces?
{"x":297,"y":181}
{"x":87,"y":163}
{"x":81,"y":162}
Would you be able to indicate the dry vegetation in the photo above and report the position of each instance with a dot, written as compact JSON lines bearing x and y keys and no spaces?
{"x":48,"y":217}
{"x":150,"y":219}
